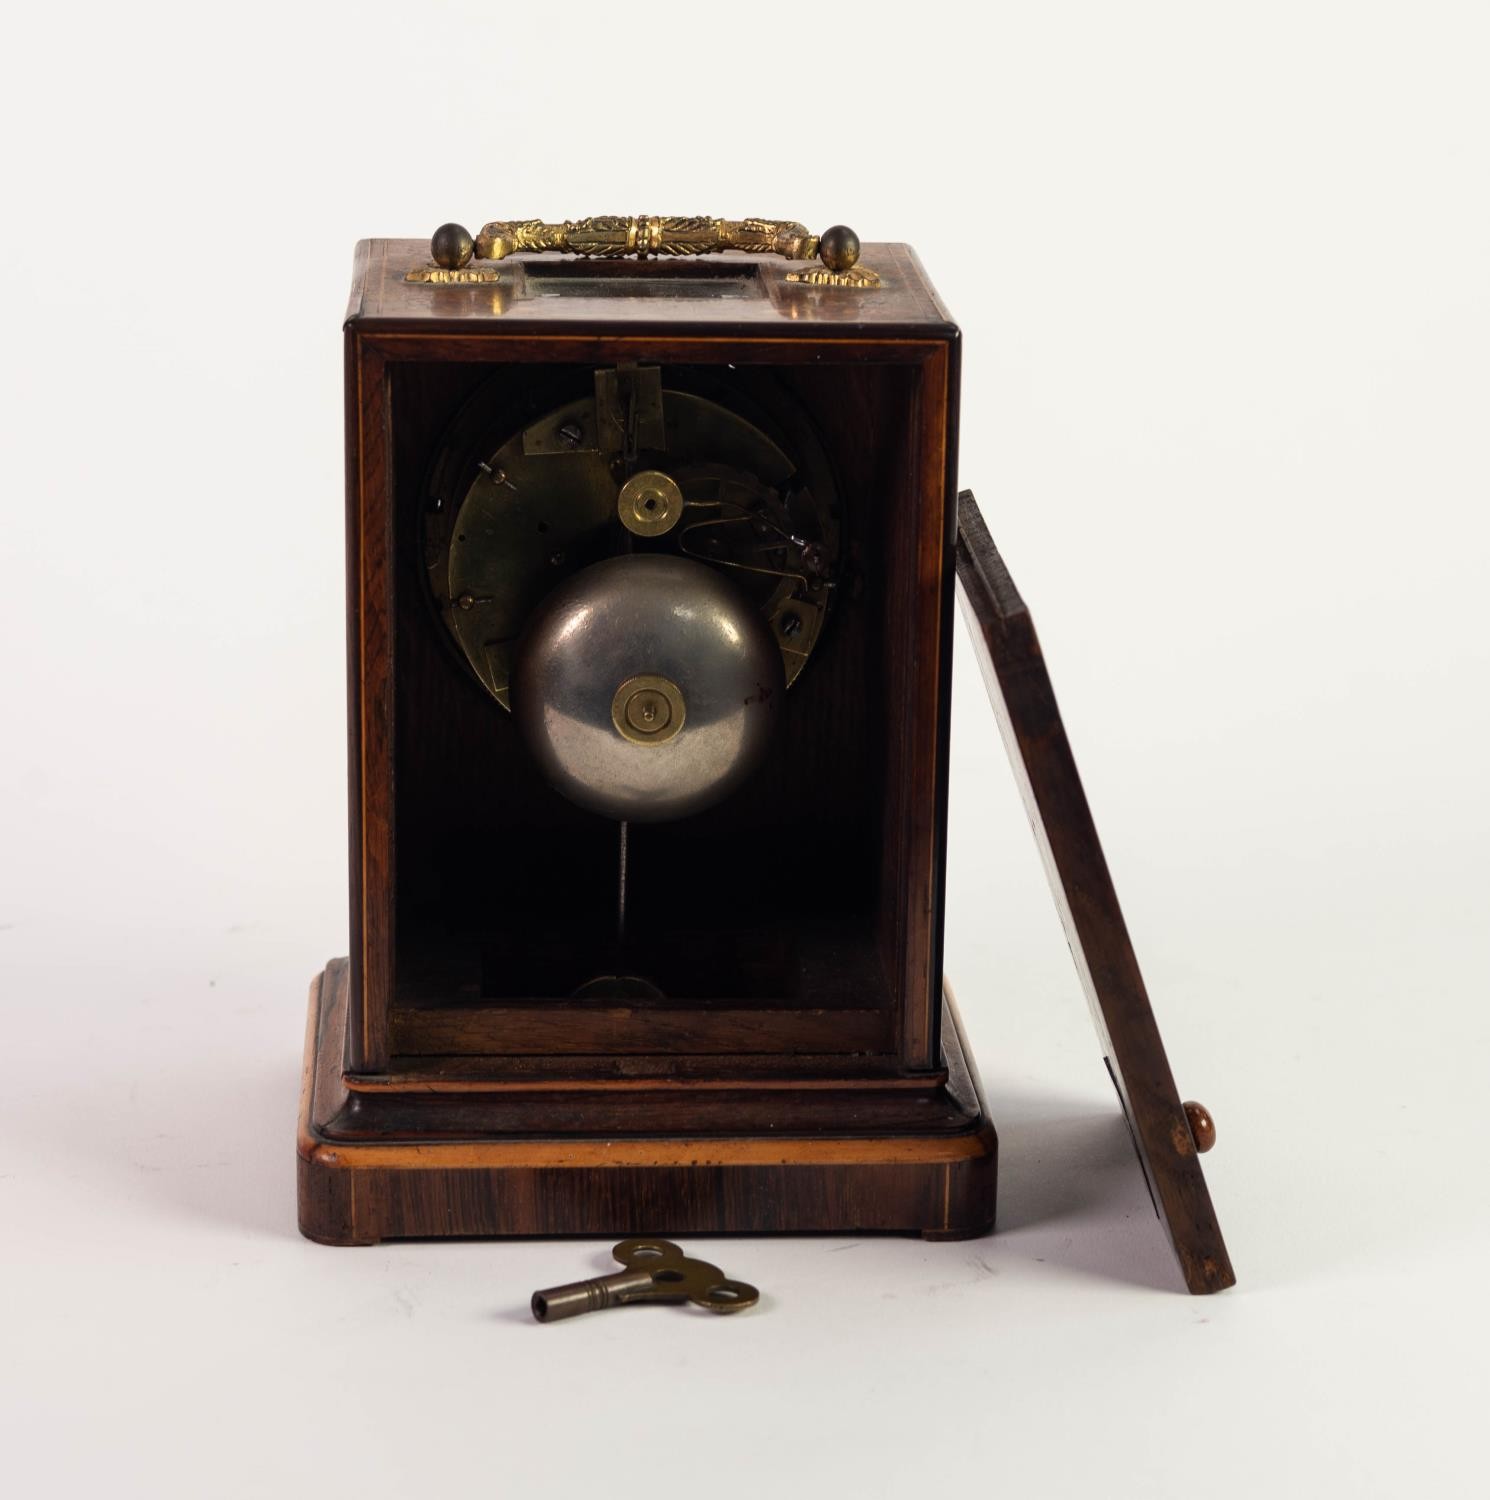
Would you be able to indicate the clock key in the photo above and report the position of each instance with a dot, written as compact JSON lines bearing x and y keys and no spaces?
{"x":655,"y":1271}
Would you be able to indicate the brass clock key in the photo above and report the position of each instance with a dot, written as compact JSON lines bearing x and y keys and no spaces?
{"x":656,"y":1271}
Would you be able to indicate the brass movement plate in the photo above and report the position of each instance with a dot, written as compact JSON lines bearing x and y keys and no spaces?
{"x":530,"y":509}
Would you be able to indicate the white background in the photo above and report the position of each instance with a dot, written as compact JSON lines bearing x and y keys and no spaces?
{"x":1222,"y":275}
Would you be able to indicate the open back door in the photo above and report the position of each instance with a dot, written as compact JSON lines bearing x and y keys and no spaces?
{"x":1024,"y":702}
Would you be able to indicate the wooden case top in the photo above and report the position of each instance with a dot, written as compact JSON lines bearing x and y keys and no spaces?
{"x":721,"y":293}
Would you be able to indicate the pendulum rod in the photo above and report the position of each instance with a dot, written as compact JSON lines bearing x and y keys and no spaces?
{"x":625,"y":828}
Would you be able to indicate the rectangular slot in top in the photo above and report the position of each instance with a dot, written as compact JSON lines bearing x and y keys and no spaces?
{"x":711,"y":278}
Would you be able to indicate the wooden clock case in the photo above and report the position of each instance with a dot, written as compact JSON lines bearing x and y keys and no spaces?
{"x":807,"y":1071}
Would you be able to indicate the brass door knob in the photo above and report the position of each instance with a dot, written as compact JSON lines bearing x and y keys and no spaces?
{"x":1202,"y":1126}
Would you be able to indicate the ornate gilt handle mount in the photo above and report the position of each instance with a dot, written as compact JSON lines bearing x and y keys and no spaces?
{"x":610,"y":236}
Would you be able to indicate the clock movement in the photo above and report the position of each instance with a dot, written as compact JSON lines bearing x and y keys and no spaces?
{"x":653,"y":536}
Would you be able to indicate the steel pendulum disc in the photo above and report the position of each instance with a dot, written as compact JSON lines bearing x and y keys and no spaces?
{"x":647,"y":687}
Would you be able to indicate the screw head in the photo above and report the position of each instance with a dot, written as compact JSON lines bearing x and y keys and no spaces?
{"x":839,"y":248}
{"x":451,"y":246}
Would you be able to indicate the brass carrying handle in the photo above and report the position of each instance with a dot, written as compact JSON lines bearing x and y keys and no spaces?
{"x":611,"y":236}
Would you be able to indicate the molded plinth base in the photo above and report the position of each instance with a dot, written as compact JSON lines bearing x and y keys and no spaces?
{"x":382,"y":1160}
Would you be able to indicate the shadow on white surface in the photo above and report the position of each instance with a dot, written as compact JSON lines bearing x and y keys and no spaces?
{"x":214,"y":1143}
{"x":1072,"y":1194}
{"x":246,"y":1122}
{"x":210,"y":1137}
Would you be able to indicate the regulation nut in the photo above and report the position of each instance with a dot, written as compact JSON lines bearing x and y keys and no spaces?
{"x":648,"y":710}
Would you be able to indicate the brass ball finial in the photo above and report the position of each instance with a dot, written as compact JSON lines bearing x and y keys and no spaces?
{"x":839,"y":248}
{"x":451,"y":246}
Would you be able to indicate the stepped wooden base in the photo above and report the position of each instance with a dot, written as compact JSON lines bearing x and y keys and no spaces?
{"x":382,"y":1161}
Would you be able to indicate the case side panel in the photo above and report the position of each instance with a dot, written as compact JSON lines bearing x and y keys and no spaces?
{"x":370,"y":706}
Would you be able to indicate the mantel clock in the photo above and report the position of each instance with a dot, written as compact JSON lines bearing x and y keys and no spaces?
{"x":653,"y":539}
